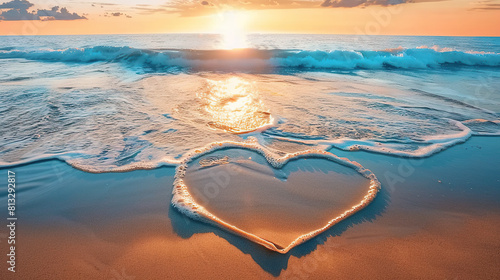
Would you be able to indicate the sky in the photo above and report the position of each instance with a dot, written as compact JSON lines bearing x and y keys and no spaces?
{"x":367,"y":17}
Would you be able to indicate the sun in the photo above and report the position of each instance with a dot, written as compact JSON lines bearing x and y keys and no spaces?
{"x":231,"y":26}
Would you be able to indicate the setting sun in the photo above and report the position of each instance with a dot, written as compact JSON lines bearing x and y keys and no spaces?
{"x":231,"y":25}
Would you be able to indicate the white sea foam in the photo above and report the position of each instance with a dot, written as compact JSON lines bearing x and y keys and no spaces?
{"x":156,"y":122}
{"x":429,"y":146}
{"x":211,"y":161}
{"x":416,"y":149}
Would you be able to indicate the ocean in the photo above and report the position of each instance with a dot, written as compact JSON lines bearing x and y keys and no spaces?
{"x":345,"y":145}
{"x":124,"y":102}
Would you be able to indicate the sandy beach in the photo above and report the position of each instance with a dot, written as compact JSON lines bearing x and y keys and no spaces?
{"x":435,"y":218}
{"x":255,"y":139}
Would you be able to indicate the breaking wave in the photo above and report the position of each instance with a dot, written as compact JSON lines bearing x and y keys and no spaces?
{"x":399,"y":58}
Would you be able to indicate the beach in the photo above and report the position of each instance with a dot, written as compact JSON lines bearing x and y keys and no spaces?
{"x":171,"y":156}
{"x":438,"y":219}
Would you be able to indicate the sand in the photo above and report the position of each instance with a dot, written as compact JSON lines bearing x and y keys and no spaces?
{"x":277,"y":205}
{"x":437,"y":219}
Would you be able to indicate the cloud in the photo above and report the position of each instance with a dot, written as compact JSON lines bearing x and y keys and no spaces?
{"x":149,"y":10}
{"x":15,"y":14}
{"x":103,"y":4}
{"x":56,"y":14}
{"x":116,"y":14}
{"x":18,"y":10}
{"x":206,"y":3}
{"x":195,"y":8}
{"x":361,"y":3}
{"x":16,"y":5}
{"x":486,"y":5}
{"x":199,"y":7}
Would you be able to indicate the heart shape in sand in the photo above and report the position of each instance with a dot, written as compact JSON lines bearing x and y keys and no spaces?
{"x":186,"y":204}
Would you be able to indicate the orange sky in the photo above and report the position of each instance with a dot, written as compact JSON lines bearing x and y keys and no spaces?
{"x":453,"y":17}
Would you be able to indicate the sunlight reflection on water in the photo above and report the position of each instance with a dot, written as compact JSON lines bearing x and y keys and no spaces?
{"x":233,"y":105}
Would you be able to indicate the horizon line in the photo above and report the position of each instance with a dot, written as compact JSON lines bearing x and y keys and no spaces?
{"x":251,"y":33}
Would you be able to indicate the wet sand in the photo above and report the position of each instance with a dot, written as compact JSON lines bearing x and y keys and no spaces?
{"x":436,"y":218}
{"x":278,"y":205}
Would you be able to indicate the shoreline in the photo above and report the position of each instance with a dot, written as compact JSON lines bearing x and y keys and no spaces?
{"x":435,"y":219}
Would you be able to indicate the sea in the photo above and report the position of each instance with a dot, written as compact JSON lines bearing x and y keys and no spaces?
{"x":106,"y":103}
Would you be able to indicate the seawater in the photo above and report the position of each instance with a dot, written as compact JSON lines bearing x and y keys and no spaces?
{"x":122,"y":102}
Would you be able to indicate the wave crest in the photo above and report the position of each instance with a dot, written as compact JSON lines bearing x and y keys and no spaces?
{"x":416,"y":58}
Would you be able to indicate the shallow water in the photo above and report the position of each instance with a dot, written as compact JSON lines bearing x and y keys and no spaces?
{"x":106,"y":103}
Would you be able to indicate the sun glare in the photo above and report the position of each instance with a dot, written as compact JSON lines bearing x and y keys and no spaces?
{"x":231,"y":25}
{"x":234,"y":105}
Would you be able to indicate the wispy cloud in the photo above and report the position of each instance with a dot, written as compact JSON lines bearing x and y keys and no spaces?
{"x":116,"y":14}
{"x":145,"y":9}
{"x":198,"y":7}
{"x":193,"y":8}
{"x":103,"y":4}
{"x":486,"y":5}
{"x":362,"y":3}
